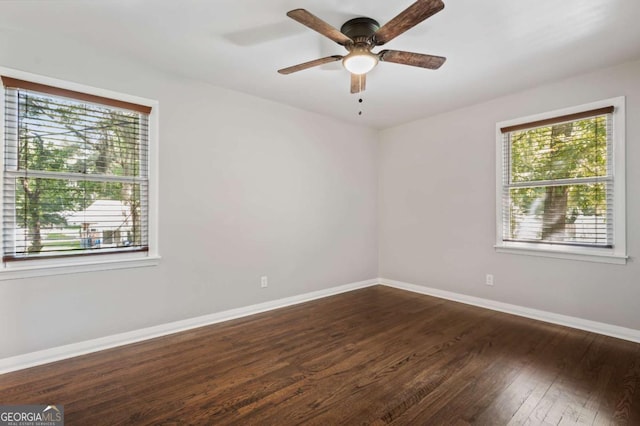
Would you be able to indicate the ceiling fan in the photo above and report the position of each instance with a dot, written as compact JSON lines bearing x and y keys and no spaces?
{"x":360,"y":35}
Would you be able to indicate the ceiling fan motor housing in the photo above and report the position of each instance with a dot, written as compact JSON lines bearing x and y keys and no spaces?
{"x":360,"y":29}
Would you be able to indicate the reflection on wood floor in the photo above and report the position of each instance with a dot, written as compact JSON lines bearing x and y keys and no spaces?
{"x":372,"y":356}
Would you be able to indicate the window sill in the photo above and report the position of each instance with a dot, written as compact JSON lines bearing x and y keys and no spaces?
{"x":562,"y":252}
{"x":48,"y":268}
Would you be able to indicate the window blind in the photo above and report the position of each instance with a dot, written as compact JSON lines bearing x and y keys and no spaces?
{"x":75,"y":176}
{"x":558,"y":180}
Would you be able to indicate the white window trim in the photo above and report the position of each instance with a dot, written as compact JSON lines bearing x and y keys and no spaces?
{"x":617,"y":254}
{"x":59,"y":266}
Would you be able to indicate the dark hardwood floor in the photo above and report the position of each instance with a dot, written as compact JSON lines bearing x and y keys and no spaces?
{"x":372,"y":356}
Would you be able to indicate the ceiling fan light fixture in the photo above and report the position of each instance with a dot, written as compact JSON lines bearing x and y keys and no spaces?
{"x":360,"y":62}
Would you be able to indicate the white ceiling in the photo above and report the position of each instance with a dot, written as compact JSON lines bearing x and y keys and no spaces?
{"x":493,"y":46}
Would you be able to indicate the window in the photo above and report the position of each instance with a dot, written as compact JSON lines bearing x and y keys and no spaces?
{"x":75,"y":179}
{"x":561,"y":183}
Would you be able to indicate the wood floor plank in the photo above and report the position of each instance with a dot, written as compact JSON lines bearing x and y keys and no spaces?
{"x":373,"y":356}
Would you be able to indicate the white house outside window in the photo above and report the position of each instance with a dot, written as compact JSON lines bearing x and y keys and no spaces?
{"x":75,"y":176}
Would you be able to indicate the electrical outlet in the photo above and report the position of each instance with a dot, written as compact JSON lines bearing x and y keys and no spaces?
{"x":264,"y":281}
{"x":489,"y":279}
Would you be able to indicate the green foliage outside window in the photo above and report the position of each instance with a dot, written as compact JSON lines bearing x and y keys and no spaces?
{"x":553,"y":169}
{"x":70,"y":138}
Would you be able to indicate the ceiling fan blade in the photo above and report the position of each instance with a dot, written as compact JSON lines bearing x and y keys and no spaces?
{"x":414,"y":59}
{"x":409,"y":18}
{"x":358,"y":83}
{"x":310,"y":64}
{"x":317,"y":24}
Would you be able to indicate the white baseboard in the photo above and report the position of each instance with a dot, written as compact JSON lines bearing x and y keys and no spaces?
{"x":568,"y":321}
{"x":46,"y":356}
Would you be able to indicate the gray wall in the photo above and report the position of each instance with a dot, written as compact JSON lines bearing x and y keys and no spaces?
{"x":437,"y":207}
{"x":248,"y":187}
